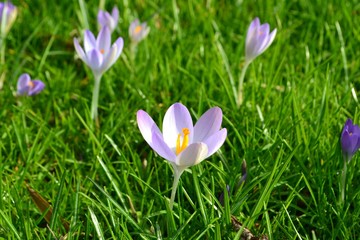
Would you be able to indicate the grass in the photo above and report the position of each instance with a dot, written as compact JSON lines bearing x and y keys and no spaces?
{"x":107,"y":183}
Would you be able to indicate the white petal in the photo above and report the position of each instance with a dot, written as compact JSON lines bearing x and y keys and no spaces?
{"x":192,"y":155}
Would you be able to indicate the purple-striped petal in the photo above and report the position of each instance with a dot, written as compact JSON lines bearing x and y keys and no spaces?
{"x":208,"y":124}
{"x":192,"y":155}
{"x":95,"y":59}
{"x":215,"y":141}
{"x":176,"y":119}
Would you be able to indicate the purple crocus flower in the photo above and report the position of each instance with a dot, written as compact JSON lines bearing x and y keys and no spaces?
{"x":110,"y":20}
{"x":350,"y":139}
{"x":26,"y":86}
{"x":8,"y":13}
{"x":98,"y":54}
{"x":258,"y":39}
{"x":138,"y":31}
{"x":180,"y":142}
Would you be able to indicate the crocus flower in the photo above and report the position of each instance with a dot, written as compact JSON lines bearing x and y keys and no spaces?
{"x":180,"y":142}
{"x":8,"y":13}
{"x":99,"y":56}
{"x":110,"y":20}
{"x":258,"y":39}
{"x":350,"y":139}
{"x":26,"y":86}
{"x":138,"y":31}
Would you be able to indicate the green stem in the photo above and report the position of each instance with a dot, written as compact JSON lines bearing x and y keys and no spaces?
{"x":95,"y":97}
{"x":240,"y":96}
{"x":177,"y":175}
{"x":343,"y":182}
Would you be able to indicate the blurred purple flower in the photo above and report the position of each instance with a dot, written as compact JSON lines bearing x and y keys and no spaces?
{"x":350,"y":139}
{"x":26,"y":86}
{"x":138,"y":31}
{"x":8,"y":13}
{"x":110,"y":20}
{"x":98,"y":54}
{"x":181,"y":143}
{"x":258,"y":39}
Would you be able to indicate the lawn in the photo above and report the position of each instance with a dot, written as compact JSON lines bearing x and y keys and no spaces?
{"x":66,"y":174}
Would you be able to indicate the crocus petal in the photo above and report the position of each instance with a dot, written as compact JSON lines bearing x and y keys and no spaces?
{"x":38,"y":86}
{"x":215,"y":141}
{"x":115,"y":14}
{"x":103,"y":40}
{"x":119,"y":44}
{"x":146,"y":125}
{"x":161,"y":148}
{"x":176,"y":119}
{"x":23,"y":84}
{"x":95,"y":59}
{"x":109,"y":58}
{"x":79,"y":50}
{"x":89,"y":41}
{"x":208,"y":124}
{"x":192,"y":155}
{"x":252,"y":30}
{"x":153,"y":136}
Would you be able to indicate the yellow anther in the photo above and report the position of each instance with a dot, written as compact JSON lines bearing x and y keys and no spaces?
{"x":181,"y":146}
{"x":102,"y":51}
{"x":138,"y":29}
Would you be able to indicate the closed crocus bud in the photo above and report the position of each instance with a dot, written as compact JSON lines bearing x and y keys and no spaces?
{"x":258,"y":39}
{"x":8,"y":13}
{"x":350,"y":139}
{"x":110,"y":20}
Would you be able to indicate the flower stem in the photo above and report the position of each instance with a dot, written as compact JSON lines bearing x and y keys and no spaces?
{"x":177,"y":175}
{"x":240,"y":97}
{"x":343,"y":182}
{"x":95,"y":97}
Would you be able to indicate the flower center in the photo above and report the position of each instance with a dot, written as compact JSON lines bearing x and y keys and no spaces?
{"x":30,"y":84}
{"x":102,"y":51}
{"x":185,"y":141}
{"x":138,"y":29}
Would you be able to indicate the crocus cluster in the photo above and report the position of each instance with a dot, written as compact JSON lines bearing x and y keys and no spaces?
{"x":8,"y":13}
{"x":28,"y":87}
{"x":180,"y":142}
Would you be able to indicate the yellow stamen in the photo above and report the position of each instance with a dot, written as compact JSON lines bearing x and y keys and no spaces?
{"x":137,"y":29}
{"x":102,"y":51}
{"x":180,"y":147}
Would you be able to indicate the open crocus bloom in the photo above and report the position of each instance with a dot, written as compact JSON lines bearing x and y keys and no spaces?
{"x":258,"y":39}
{"x":26,"y":86}
{"x":107,"y":19}
{"x":98,"y":54}
{"x":8,"y":13}
{"x":138,"y":31}
{"x":181,"y":143}
{"x":350,"y":139}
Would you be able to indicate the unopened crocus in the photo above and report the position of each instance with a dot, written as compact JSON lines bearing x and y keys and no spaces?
{"x":350,"y":139}
{"x":8,"y":13}
{"x":110,"y":20}
{"x":350,"y":144}
{"x":26,"y":86}
{"x":138,"y":31}
{"x":99,"y":56}
{"x":180,"y":142}
{"x":258,"y":39}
